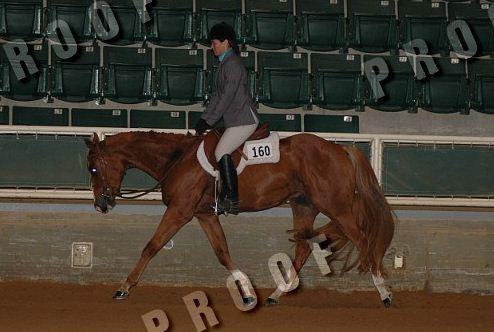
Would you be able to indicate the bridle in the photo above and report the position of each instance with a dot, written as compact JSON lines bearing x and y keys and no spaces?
{"x":107,"y":190}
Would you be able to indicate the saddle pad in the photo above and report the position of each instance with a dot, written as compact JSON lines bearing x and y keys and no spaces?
{"x":262,"y":151}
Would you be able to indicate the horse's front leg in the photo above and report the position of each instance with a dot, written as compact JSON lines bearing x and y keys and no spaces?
{"x":173,"y":219}
{"x":210,"y":223}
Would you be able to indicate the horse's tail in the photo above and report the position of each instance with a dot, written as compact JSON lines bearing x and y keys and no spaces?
{"x":375,"y":217}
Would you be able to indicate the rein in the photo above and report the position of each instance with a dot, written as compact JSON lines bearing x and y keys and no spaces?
{"x":142,"y":192}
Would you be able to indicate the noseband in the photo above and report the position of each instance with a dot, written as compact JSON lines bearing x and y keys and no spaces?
{"x":107,"y":190}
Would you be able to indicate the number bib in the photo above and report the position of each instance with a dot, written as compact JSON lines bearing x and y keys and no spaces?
{"x":259,"y":150}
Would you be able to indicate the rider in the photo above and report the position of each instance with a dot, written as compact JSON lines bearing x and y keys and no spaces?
{"x":233,"y":105}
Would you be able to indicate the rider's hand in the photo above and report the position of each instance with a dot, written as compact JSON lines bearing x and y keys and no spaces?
{"x":201,"y":127}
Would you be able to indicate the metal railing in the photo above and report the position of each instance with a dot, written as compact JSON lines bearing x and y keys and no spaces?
{"x":376,"y":157}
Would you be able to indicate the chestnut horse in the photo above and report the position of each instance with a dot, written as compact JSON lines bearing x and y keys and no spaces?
{"x":313,"y":175}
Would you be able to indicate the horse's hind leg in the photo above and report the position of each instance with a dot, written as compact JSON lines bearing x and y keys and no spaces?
{"x":212,"y":227}
{"x":171,"y":222}
{"x":348,"y":225}
{"x":304,"y":215}
{"x":384,"y":293}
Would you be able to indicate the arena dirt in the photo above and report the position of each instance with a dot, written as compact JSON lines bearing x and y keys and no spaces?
{"x":45,"y":306}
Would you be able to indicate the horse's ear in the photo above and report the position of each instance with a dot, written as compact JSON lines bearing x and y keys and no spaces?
{"x":95,"y":138}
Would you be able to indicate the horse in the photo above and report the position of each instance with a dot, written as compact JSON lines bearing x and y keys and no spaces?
{"x":313,"y":176}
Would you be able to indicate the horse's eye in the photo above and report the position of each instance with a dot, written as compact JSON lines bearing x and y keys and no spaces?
{"x":93,"y":171}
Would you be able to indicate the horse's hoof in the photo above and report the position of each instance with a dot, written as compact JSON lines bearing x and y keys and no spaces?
{"x":249,"y":300}
{"x":271,"y":301}
{"x":121,"y":295}
{"x":387,"y":302}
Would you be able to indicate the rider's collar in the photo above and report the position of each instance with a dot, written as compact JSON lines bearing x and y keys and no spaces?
{"x":226,"y":53}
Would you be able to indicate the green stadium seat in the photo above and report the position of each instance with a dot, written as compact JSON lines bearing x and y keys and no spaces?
{"x":446,"y":91}
{"x":478,"y":20}
{"x":43,"y":161}
{"x":157,"y":119}
{"x":424,"y":20}
{"x":269,"y":23}
{"x":331,"y":123}
{"x":127,"y":76}
{"x":211,"y":12}
{"x":130,"y":26}
{"x":21,"y":19}
{"x":99,"y":117}
{"x":180,"y":75}
{"x":171,"y":22}
{"x":31,"y":87}
{"x":481,"y":74}
{"x":399,"y":87}
{"x":338,"y":82}
{"x":373,"y":26}
{"x":249,"y":60}
{"x":77,"y":15}
{"x":320,"y":24}
{"x":282,"y":122}
{"x":77,"y":79}
{"x":4,"y":115}
{"x":283,"y":79}
{"x":40,"y":116}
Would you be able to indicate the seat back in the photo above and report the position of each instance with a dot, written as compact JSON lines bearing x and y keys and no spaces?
{"x":283,"y":79}
{"x":337,"y":81}
{"x":127,"y":74}
{"x":171,"y":22}
{"x":373,"y":26}
{"x":320,"y":24}
{"x":180,"y":76}
{"x":77,"y":79}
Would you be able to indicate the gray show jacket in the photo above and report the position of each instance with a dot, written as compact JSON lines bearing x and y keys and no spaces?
{"x":231,"y":102}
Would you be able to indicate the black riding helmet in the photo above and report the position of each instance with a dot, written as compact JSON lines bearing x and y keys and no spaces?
{"x":223,"y":31}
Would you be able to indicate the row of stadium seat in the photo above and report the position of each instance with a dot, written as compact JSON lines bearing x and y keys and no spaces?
{"x":371,"y":26}
{"x":159,"y":119}
{"x":282,"y":79}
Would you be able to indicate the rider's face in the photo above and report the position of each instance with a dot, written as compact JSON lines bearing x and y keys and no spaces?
{"x":219,"y":46}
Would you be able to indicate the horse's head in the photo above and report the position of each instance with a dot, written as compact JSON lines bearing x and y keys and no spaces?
{"x":107,"y":171}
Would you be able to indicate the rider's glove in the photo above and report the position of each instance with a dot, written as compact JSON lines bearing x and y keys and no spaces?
{"x":201,"y":127}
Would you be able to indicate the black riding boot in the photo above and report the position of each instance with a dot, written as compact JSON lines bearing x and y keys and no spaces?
{"x":229,"y":183}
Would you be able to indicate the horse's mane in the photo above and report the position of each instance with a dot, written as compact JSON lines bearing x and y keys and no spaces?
{"x":152,"y":137}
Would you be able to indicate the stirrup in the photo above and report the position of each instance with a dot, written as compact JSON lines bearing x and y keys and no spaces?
{"x":226,"y":207}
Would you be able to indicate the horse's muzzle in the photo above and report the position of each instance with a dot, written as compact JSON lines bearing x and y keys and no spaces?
{"x":104,"y":203}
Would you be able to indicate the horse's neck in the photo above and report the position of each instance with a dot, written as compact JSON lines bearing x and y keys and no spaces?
{"x":156,"y":154}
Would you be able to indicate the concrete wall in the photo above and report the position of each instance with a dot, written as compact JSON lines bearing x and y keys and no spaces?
{"x":441,"y":254}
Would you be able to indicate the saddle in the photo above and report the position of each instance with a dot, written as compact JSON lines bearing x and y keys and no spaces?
{"x":213,"y":137}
